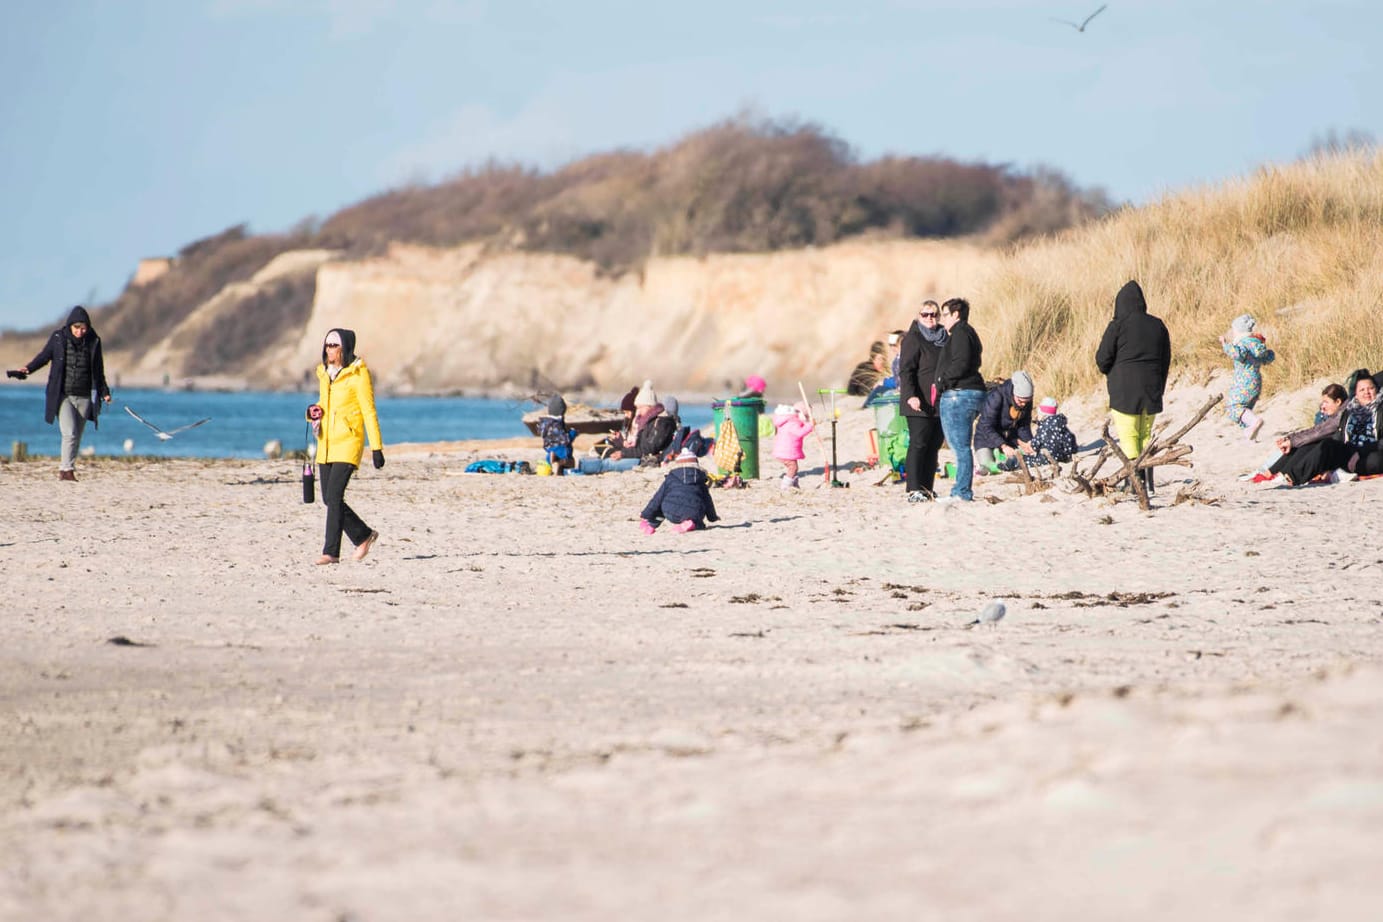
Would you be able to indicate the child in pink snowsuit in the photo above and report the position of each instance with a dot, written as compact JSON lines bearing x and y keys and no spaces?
{"x":793,"y":425}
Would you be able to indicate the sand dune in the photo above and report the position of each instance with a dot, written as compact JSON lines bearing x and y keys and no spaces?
{"x":519,"y":707}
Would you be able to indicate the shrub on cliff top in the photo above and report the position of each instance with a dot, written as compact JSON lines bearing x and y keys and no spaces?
{"x":744,"y":185}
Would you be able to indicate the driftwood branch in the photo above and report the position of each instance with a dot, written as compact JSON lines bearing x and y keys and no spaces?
{"x":1157,"y":453}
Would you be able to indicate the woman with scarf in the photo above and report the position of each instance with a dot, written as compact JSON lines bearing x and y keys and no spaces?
{"x":918,"y":354}
{"x":346,"y":419}
{"x":76,"y":383}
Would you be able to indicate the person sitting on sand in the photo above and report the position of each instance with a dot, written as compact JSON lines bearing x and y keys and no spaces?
{"x":654,"y":438}
{"x":1333,"y":397}
{"x":870,"y":372}
{"x":683,"y":498}
{"x":643,"y":408}
{"x":1005,"y":421}
{"x":1348,"y":442}
{"x":557,"y":438}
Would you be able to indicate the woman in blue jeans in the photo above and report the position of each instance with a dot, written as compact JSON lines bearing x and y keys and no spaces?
{"x":961,"y":391}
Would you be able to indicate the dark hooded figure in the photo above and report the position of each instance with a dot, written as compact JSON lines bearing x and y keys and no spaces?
{"x":76,"y":383}
{"x":1134,"y":355}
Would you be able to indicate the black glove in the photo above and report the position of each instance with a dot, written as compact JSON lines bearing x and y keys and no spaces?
{"x":378,"y":457}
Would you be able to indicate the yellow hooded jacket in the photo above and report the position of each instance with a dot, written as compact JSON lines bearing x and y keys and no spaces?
{"x":349,"y":414}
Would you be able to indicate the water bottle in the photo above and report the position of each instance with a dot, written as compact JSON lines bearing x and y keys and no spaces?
{"x":309,"y":479}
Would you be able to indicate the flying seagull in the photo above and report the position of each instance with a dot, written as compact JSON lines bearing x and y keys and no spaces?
{"x":165,"y":436}
{"x":991,"y":614}
{"x":1084,"y":22}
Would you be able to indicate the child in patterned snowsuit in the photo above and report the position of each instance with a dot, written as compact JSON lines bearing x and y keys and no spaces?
{"x":1250,"y":353}
{"x":1053,"y":436}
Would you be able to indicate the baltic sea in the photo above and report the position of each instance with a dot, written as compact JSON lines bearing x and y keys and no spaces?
{"x":242,"y":422}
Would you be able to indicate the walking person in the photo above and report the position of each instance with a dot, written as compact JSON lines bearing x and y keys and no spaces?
{"x":960,"y":390}
{"x":917,"y":358}
{"x":76,"y":383}
{"x":1249,"y":351}
{"x":347,"y":403}
{"x":1135,"y":355}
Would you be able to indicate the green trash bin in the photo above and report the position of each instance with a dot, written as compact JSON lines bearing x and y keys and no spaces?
{"x":891,"y":430}
{"x":744,"y":414}
{"x":718,"y":414}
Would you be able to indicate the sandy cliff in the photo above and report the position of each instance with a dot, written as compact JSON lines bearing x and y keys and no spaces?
{"x":438,"y":319}
{"x":430,"y":319}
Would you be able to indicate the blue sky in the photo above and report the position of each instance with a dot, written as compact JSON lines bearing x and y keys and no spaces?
{"x":128,"y":129}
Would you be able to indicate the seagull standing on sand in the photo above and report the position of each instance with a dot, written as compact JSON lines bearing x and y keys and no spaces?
{"x":165,"y":436}
{"x":991,"y":614}
{"x":1083,"y":23}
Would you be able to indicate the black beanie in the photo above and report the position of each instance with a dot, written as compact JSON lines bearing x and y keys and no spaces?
{"x":78,"y":314}
{"x":556,"y":406}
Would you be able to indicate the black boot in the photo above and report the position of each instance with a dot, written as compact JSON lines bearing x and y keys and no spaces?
{"x":1147,"y":473}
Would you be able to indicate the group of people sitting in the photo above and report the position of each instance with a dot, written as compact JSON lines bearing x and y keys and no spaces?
{"x":652,"y":433}
{"x":1345,"y":436}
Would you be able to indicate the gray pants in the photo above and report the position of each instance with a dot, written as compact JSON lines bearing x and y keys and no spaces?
{"x":71,"y":422}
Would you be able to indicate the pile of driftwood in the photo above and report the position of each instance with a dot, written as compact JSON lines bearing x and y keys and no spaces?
{"x":1156,"y":453}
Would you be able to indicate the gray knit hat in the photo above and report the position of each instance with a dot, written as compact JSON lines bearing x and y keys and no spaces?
{"x":1022,"y":384}
{"x":556,"y":406}
{"x":1244,"y":323}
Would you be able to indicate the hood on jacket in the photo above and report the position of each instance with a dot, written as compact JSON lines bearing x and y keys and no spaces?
{"x":78,"y":314}
{"x":1129,"y":301}
{"x":347,"y":346}
{"x":690,"y":474}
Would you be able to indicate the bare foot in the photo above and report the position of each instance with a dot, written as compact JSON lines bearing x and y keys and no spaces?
{"x":364,"y":546}
{"x":327,"y":558}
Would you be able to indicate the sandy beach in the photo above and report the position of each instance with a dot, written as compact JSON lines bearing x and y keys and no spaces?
{"x":520,"y":707}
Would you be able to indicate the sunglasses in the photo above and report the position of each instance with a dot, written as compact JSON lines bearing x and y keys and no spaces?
{"x":927,"y":314}
{"x":333,"y":345}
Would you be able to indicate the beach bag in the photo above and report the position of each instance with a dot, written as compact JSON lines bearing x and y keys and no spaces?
{"x":727,"y":453}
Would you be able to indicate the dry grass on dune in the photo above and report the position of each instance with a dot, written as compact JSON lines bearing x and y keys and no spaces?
{"x":1299,"y":246}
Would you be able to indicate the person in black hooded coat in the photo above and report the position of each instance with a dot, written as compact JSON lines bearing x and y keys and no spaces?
{"x":1135,"y":355}
{"x":76,"y":383}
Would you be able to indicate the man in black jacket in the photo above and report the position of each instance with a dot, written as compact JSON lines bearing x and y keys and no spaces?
{"x":1135,"y":355}
{"x":960,"y":390}
{"x":920,"y":349}
{"x":76,"y":383}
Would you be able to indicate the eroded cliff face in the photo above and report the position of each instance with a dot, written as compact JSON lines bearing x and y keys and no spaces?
{"x":431,"y":319}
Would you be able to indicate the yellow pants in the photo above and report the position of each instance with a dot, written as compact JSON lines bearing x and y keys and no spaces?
{"x":1132,"y":431}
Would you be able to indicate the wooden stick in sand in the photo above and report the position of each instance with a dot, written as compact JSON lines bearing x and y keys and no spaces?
{"x":825,"y":462}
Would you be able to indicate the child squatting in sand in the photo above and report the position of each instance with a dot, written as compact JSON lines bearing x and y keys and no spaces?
{"x":683,"y":498}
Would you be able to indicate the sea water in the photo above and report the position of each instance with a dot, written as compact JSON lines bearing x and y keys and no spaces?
{"x":243,"y":421}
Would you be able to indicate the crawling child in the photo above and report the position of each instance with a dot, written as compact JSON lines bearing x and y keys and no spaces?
{"x":683,"y":498}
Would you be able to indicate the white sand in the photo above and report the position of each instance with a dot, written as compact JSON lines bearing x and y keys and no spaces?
{"x":519,"y":707}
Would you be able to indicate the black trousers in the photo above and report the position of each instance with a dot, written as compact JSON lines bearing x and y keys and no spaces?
{"x":924,"y":443}
{"x":340,"y":517}
{"x":1301,"y":464}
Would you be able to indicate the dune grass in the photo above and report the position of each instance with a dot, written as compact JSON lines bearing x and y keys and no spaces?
{"x":1300,"y":247}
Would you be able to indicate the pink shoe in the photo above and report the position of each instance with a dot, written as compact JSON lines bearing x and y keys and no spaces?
{"x":646,"y":526}
{"x":684,"y":527}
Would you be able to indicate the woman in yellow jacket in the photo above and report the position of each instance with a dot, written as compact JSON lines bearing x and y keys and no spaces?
{"x":346,"y":420}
